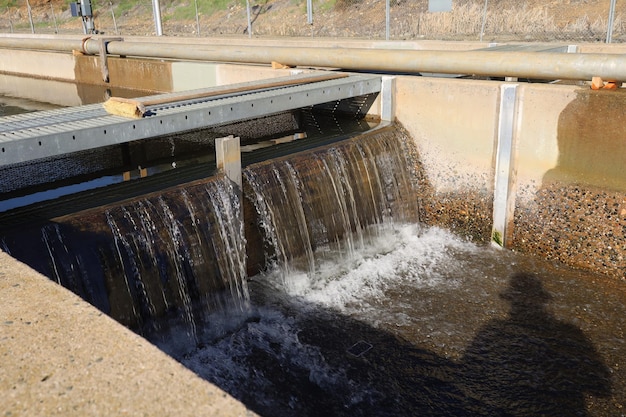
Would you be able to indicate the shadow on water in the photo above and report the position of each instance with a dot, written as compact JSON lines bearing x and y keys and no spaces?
{"x":531,"y":363}
{"x":293,"y":358}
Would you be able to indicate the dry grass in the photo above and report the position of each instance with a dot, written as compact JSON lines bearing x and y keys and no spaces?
{"x":536,"y":23}
{"x":541,"y":20}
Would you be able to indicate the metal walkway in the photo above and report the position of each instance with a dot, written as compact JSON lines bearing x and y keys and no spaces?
{"x":30,"y":136}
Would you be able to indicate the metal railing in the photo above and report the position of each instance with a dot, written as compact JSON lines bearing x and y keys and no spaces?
{"x":486,"y":20}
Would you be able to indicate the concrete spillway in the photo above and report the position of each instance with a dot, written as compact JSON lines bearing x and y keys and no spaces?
{"x":557,"y":190}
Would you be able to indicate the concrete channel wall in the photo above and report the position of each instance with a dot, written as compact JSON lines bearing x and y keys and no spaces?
{"x":565,"y":183}
{"x":546,"y":160}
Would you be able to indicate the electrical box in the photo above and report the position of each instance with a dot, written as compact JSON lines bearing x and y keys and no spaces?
{"x":75,"y":9}
{"x":85,"y":7}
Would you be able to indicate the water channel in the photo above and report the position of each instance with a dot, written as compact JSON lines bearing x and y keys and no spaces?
{"x":361,"y":310}
{"x":419,"y":322}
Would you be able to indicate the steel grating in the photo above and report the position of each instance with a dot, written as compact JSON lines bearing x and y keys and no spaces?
{"x":30,"y":136}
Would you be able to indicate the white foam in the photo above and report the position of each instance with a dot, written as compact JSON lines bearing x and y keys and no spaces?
{"x":402,"y":254}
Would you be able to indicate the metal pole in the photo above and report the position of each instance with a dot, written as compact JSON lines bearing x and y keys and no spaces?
{"x":195,"y":3}
{"x":30,"y":16}
{"x":86,"y":11}
{"x":249,"y":21}
{"x":10,"y":20}
{"x":387,"y":18}
{"x":113,"y":17}
{"x":156,"y":10}
{"x":522,"y":64}
{"x":54,"y":18}
{"x":482,"y":27}
{"x":309,"y":12}
{"x":609,"y":29}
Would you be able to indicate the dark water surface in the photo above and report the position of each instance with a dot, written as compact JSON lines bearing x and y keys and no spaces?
{"x":420,"y":323}
{"x":10,"y":106}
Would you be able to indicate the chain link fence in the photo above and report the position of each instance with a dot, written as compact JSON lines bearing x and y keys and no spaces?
{"x":487,"y":20}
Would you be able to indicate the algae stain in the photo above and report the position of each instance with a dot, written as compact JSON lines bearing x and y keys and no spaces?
{"x":496,"y":237}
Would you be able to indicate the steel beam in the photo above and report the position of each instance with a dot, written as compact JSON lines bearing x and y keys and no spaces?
{"x":29,"y":136}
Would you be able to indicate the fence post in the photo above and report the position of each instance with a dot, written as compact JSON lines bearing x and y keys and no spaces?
{"x":195,"y":3}
{"x":156,"y":10}
{"x":482,"y":27}
{"x":309,"y":12}
{"x":249,"y":21}
{"x":10,"y":20}
{"x":30,"y":16}
{"x":113,"y":17}
{"x":609,"y":28}
{"x":387,"y":18}
{"x":56,"y":28}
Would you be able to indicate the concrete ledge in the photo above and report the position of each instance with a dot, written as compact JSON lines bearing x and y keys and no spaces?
{"x":62,"y":357}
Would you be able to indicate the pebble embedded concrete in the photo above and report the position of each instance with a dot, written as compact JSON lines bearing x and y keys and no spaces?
{"x":62,"y":357}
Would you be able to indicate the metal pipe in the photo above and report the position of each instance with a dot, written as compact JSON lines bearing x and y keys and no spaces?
{"x":542,"y":65}
{"x":539,"y":65}
{"x":41,"y":43}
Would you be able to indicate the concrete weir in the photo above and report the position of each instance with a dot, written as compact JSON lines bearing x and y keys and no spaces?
{"x":520,"y":158}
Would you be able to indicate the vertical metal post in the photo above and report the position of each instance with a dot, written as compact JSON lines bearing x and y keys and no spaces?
{"x":387,"y":102}
{"x":609,"y":29}
{"x":309,"y":12}
{"x":228,"y":158}
{"x":30,"y":16}
{"x":482,"y":27}
{"x":10,"y":20}
{"x":504,"y":162}
{"x":86,"y":12}
{"x":195,"y":2}
{"x":54,"y":18}
{"x":387,"y":18}
{"x":249,"y":21}
{"x":113,"y":17}
{"x":156,"y":10}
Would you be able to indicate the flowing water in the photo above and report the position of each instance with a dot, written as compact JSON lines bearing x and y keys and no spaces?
{"x":364,"y":312}
{"x":359,"y":310}
{"x":167,"y":256}
{"x":419,"y":322}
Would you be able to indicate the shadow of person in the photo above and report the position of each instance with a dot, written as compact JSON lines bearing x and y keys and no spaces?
{"x":532,"y":364}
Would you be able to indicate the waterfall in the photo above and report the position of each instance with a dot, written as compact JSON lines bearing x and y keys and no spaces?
{"x":329,"y":198}
{"x":168,"y":260}
{"x":164,"y":259}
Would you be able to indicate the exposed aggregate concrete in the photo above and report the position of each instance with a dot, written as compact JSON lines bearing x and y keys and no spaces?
{"x":575,"y":224}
